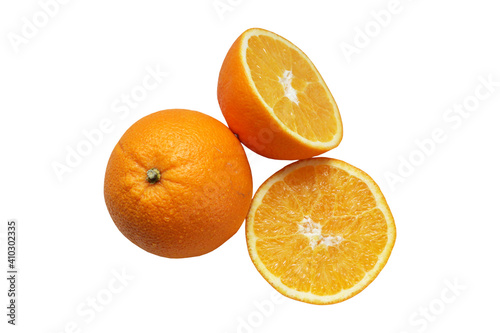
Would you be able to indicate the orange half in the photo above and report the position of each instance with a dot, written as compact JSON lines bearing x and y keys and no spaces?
{"x":320,"y":230}
{"x":274,"y":98}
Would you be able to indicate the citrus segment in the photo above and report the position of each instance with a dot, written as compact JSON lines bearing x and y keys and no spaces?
{"x":320,"y":230}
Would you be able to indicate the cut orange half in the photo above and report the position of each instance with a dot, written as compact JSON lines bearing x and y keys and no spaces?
{"x":320,"y":231}
{"x":275,"y":100}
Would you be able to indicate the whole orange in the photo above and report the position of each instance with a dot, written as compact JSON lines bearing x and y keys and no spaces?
{"x":178,"y":183}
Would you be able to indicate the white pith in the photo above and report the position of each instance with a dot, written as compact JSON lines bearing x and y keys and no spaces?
{"x":286,"y":82}
{"x":312,"y":230}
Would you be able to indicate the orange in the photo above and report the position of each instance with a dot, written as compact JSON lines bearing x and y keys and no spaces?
{"x":178,"y":183}
{"x":320,"y":230}
{"x":275,"y":100}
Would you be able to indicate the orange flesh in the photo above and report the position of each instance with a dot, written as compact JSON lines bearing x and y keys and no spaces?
{"x":319,"y":230}
{"x":291,"y":86}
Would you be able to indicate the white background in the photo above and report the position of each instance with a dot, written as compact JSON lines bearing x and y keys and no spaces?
{"x":396,"y":90}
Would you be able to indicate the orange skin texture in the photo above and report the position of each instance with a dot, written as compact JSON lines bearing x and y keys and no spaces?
{"x":247,"y":116}
{"x":204,"y":192}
